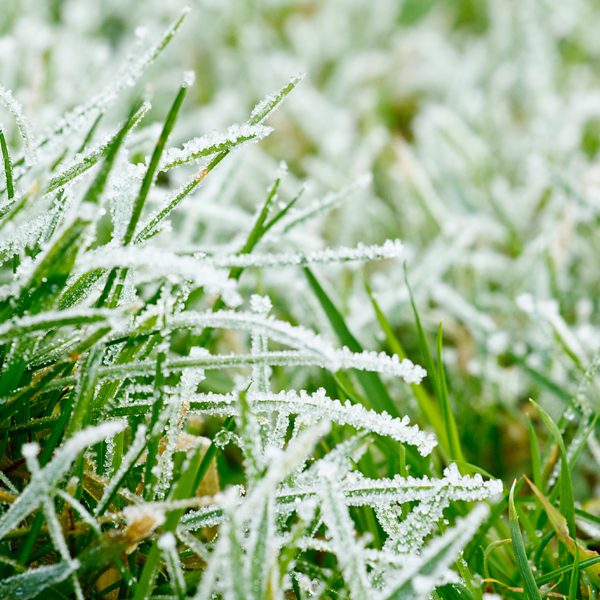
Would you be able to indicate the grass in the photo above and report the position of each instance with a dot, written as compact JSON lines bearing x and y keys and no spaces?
{"x":163,"y":436}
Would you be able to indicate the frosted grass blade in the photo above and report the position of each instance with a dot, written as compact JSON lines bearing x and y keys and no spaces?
{"x":259,"y":560}
{"x":28,"y":585}
{"x":95,"y":156}
{"x":138,"y":205}
{"x":8,"y":170}
{"x":560,"y":526}
{"x":79,"y":116}
{"x":421,"y":574}
{"x":341,"y":530}
{"x":264,"y":108}
{"x":23,"y":124}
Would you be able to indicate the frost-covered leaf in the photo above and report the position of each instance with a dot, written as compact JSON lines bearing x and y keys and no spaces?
{"x":33,"y":494}
{"x":422,"y":574}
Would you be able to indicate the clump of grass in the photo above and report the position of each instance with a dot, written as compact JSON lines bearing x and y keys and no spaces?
{"x":131,"y":470}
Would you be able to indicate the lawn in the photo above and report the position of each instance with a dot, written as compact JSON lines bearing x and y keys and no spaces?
{"x":299,"y":300}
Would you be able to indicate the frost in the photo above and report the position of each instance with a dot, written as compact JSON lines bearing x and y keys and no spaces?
{"x":23,"y":124}
{"x":325,"y":353}
{"x":260,"y":304}
{"x":167,"y":541}
{"x":198,"y":148}
{"x":162,"y":263}
{"x":189,"y":78}
{"x":265,"y":106}
{"x":390,"y":249}
{"x":319,"y":207}
{"x":82,"y":115}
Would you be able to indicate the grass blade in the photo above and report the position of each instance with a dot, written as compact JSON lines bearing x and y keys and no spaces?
{"x":376,"y":392}
{"x":567,"y":502}
{"x":138,"y":205}
{"x":8,"y":170}
{"x":560,"y":526}
{"x":451,"y":431}
{"x":535,"y":455}
{"x":574,"y":585}
{"x":429,"y":408}
{"x":531,"y":588}
{"x":263,"y":109}
{"x":89,"y":161}
{"x":429,"y":366}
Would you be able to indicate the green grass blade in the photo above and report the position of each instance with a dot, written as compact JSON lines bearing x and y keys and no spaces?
{"x":152,"y":227}
{"x":97,"y":187}
{"x":258,"y":230}
{"x":424,"y":346}
{"x":8,"y":170}
{"x":376,"y":392}
{"x":84,"y":394}
{"x":574,"y":585}
{"x":259,"y":562}
{"x":567,"y":502}
{"x":582,"y":439}
{"x":150,"y":479}
{"x":184,"y":487}
{"x":530,"y":586}
{"x":89,"y":161}
{"x":28,"y":585}
{"x":451,"y":430}
{"x":250,"y":434}
{"x":138,"y":205}
{"x":50,"y":275}
{"x":80,"y":289}
{"x":263,"y":109}
{"x":259,"y":114}
{"x":553,"y":575}
{"x":428,"y":407}
{"x":535,"y":456}
{"x":284,"y":211}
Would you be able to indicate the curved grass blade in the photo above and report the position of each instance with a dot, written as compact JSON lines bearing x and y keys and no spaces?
{"x":51,"y":274}
{"x":260,"y":112}
{"x":574,"y":585}
{"x":97,"y":187}
{"x":264,"y":108}
{"x":29,"y":584}
{"x":553,"y":575}
{"x":560,"y":526}
{"x":152,"y":227}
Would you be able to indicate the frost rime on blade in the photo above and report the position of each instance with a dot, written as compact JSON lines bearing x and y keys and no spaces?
{"x":23,"y":124}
